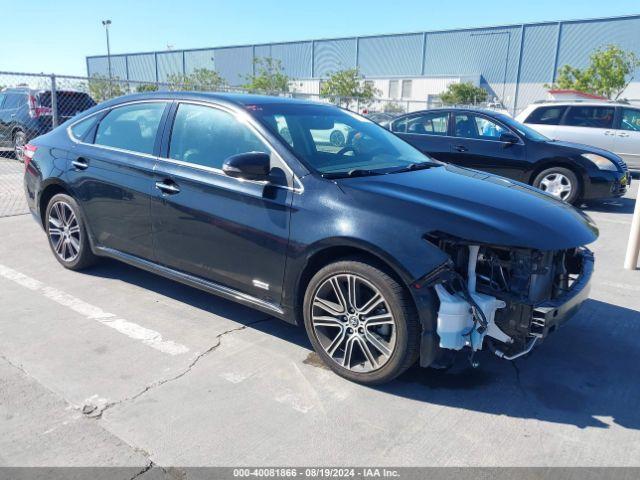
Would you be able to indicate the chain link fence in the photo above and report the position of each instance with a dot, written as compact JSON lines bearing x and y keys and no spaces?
{"x":33,"y":104}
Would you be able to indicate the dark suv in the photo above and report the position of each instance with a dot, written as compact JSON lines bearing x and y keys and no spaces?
{"x":385,"y":255}
{"x":26,"y":113}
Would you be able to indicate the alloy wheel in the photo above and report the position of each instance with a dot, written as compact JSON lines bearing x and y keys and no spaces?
{"x":64,"y":231}
{"x":557,"y":185}
{"x":19,"y":141}
{"x":353,"y":323}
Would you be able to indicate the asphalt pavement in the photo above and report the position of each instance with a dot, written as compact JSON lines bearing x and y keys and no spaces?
{"x":117,"y":367}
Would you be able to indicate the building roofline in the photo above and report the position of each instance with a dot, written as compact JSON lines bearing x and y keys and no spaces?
{"x":382,"y":35}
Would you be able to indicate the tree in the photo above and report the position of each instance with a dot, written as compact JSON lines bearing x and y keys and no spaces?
{"x":201,"y":79}
{"x":465,"y":93}
{"x":146,"y":87}
{"x":393,"y":108}
{"x":610,"y":71}
{"x":102,"y":88}
{"x":268,"y":77}
{"x":345,"y":86}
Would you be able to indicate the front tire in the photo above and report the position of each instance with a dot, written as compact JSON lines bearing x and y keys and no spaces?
{"x":559,"y":182}
{"x":67,"y":234}
{"x":361,"y":322}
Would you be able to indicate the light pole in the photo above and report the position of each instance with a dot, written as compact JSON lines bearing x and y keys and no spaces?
{"x":105,"y":24}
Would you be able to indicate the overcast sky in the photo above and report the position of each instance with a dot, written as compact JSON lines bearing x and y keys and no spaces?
{"x":56,"y":36}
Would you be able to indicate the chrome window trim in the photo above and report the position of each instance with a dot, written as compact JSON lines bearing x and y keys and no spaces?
{"x":520,"y":142}
{"x":217,"y":171}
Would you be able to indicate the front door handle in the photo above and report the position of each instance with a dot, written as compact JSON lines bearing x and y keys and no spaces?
{"x":623,"y":134}
{"x":168,"y":187}
{"x":80,"y":163}
{"x":460,"y":148}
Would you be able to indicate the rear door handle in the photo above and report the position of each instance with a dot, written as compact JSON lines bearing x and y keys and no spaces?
{"x":460,"y":148}
{"x":609,"y":132}
{"x":168,"y":186}
{"x":80,"y":163}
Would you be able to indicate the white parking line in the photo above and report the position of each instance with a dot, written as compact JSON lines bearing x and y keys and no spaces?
{"x":147,"y":336}
{"x":623,"y":286}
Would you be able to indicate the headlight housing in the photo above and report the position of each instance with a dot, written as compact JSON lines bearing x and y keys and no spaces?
{"x":603,"y":163}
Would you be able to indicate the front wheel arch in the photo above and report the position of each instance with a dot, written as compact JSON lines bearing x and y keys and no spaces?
{"x":332,"y":254}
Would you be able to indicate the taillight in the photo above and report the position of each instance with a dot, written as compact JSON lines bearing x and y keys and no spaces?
{"x":28,"y":152}
{"x":36,"y":111}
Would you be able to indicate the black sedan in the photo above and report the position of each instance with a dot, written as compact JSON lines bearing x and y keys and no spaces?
{"x":494,"y":142}
{"x":379,"y":251}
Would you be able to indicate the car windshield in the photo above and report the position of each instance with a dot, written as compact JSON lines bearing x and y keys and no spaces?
{"x":335,"y":142}
{"x":528,"y":132}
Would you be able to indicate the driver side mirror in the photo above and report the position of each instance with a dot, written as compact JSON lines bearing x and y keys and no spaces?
{"x":509,"y":137}
{"x":248,"y":166}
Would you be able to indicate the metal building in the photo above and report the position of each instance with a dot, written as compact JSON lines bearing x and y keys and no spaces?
{"x":512,"y":62}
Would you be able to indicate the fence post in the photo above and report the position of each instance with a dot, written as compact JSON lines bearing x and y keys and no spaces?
{"x":54,"y":102}
{"x":633,"y":247}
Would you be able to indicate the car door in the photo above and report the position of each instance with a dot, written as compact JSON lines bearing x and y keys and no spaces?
{"x":627,"y":139}
{"x":589,"y":125}
{"x":477,"y":144}
{"x":111,"y":173}
{"x":225,"y":230}
{"x":426,"y":131}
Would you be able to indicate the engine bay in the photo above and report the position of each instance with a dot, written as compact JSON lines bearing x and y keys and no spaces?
{"x":505,"y":299}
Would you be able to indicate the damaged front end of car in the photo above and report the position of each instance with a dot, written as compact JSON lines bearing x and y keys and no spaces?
{"x":504,"y":299}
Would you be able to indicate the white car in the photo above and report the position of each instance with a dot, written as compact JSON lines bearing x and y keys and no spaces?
{"x":612,"y":126}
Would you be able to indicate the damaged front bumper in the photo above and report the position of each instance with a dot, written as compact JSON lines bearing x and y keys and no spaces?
{"x":510,"y":312}
{"x":550,"y":314}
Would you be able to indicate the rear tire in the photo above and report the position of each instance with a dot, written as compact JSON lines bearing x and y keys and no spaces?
{"x":361,"y":338}
{"x":560,"y":182}
{"x":19,"y":141}
{"x":67,"y":234}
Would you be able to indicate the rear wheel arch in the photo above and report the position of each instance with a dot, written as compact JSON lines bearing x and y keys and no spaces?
{"x":47,"y":194}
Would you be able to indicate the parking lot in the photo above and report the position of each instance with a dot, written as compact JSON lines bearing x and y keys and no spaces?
{"x":117,"y":367}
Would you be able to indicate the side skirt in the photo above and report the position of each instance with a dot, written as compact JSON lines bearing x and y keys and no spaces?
{"x":197,"y":282}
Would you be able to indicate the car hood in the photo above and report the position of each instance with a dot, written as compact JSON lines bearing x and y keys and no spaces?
{"x":475,"y":206}
{"x":580,"y":148}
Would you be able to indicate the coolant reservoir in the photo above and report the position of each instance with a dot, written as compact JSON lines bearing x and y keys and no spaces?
{"x":455,"y":319}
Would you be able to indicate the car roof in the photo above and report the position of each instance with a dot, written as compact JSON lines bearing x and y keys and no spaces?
{"x":581,"y":103}
{"x":240,"y":99}
{"x":486,"y":111}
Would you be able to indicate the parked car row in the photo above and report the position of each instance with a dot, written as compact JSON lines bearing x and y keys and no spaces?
{"x":386,"y":256}
{"x":26,"y":113}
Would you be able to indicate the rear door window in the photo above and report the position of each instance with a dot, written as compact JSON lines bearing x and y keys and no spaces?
{"x":131,"y":127}
{"x":2,"y":96}
{"x":590,"y":117}
{"x":546,"y":115}
{"x":433,"y":123}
